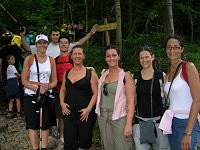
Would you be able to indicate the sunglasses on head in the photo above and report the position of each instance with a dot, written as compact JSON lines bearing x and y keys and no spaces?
{"x":105,"y":89}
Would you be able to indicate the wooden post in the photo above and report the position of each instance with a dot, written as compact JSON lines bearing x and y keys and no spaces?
{"x":107,"y":35}
{"x":106,"y":27}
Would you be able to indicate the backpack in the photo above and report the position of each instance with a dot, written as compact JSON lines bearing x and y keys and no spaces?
{"x":70,"y":60}
{"x":66,"y":62}
{"x":32,"y":57}
{"x":184,"y":72}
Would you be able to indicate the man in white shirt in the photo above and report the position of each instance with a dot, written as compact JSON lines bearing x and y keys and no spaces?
{"x":53,"y":49}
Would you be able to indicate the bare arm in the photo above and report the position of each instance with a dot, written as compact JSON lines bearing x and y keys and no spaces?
{"x":18,"y":75}
{"x":94,"y":86}
{"x":194,"y":84}
{"x":129,"y":88}
{"x":89,"y":35}
{"x":24,"y":76}
{"x":24,"y":42}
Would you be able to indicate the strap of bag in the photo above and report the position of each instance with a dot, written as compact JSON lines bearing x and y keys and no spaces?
{"x":177,"y":68}
{"x":38,"y":75}
{"x":151,"y":91}
{"x":38,"y":72}
{"x":184,"y":73}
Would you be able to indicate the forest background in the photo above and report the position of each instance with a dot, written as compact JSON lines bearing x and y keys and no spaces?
{"x":144,"y":22}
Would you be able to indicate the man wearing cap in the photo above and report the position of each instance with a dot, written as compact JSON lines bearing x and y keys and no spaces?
{"x":53,"y":49}
{"x":38,"y":85}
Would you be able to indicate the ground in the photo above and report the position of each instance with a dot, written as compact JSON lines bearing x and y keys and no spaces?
{"x":13,"y":133}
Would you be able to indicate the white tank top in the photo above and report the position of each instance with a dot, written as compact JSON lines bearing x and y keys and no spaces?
{"x":180,"y":96}
{"x":44,"y":74}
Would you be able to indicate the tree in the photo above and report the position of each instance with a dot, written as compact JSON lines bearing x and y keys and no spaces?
{"x":86,"y":17}
{"x":167,"y":15}
{"x":119,"y":28}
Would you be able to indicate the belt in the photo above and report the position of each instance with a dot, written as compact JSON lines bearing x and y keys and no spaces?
{"x":146,"y":119}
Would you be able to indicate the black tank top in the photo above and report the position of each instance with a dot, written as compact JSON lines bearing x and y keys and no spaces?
{"x":78,"y":94}
{"x":144,"y":98}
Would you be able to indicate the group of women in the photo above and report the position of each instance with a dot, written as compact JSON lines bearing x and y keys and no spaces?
{"x":116,"y":98}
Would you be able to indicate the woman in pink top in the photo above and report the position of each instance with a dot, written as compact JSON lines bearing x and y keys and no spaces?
{"x":183,"y":97}
{"x":115,"y":96}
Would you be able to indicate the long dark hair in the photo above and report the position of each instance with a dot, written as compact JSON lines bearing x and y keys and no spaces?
{"x":155,"y":63}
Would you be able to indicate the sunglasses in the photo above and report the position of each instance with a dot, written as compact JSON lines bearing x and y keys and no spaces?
{"x":105,"y":89}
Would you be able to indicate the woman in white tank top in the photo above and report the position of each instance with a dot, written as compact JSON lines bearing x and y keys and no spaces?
{"x":184,"y":98}
{"x":44,"y":82}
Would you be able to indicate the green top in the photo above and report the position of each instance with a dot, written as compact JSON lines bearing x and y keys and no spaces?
{"x":107,"y":102}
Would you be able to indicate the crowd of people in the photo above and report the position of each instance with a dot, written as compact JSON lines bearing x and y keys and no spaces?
{"x":60,"y":93}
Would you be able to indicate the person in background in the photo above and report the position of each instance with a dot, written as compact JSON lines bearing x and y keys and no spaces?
{"x":63,"y":63}
{"x":53,"y":49}
{"x":9,"y":49}
{"x":115,"y":103}
{"x":12,"y":87}
{"x":39,"y":84}
{"x":184,"y":98}
{"x":6,"y":50}
{"x":78,"y":96}
{"x":146,"y":107}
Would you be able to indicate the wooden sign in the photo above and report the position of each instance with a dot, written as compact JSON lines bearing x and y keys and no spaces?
{"x":106,"y":27}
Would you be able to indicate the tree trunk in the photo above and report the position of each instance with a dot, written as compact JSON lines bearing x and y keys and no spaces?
{"x":167,"y":15}
{"x":119,"y":30}
{"x":86,"y":19}
{"x":64,"y":13}
{"x":191,"y":27}
{"x":130,"y":13}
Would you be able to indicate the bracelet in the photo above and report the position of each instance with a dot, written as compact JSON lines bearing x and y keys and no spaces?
{"x":88,"y":109}
{"x":187,"y":134}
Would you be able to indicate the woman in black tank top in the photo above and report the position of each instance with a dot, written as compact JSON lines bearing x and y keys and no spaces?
{"x":78,"y":96}
{"x":149,"y":100}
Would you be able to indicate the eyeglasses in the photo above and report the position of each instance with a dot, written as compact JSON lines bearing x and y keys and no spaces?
{"x":105,"y":89}
{"x":176,"y":47}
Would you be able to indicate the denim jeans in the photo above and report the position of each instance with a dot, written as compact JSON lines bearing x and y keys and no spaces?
{"x":178,"y":128}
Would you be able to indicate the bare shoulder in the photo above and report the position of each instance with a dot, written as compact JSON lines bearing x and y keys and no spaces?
{"x":93,"y":73}
{"x":190,"y":67}
{"x":128,"y":75}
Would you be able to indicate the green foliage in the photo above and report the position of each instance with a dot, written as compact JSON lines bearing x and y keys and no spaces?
{"x":146,"y":27}
{"x":95,"y":58}
{"x":191,"y":53}
{"x":129,"y":60}
{"x":133,"y":45}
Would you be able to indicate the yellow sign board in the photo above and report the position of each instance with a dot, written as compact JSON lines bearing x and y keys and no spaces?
{"x":109,"y":26}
